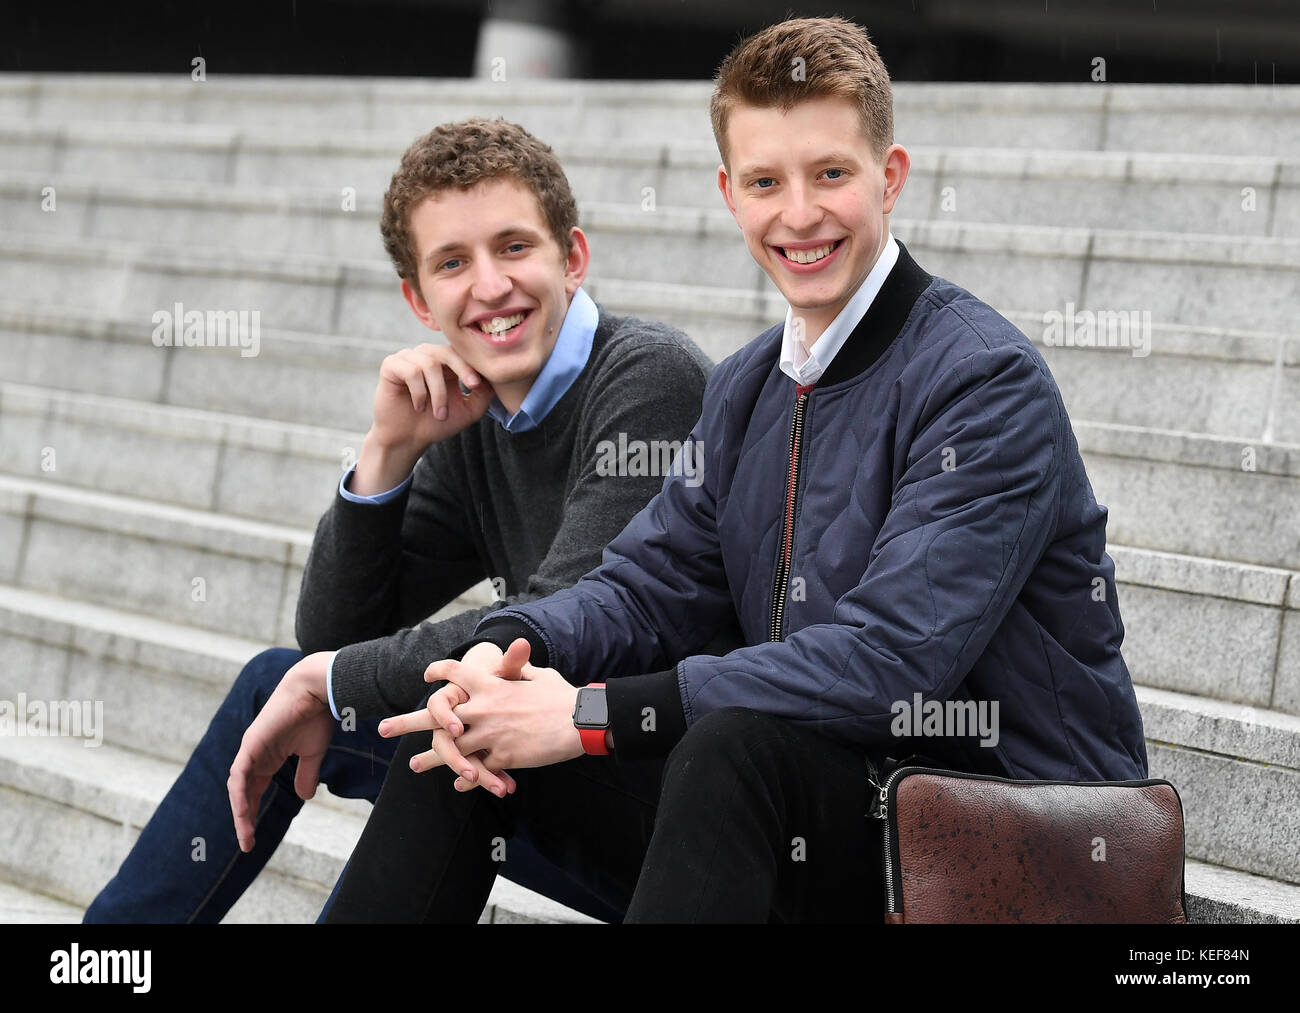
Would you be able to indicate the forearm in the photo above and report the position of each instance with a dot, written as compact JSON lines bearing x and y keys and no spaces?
{"x":350,"y":583}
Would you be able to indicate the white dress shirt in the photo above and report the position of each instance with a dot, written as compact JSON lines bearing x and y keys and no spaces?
{"x":805,"y":366}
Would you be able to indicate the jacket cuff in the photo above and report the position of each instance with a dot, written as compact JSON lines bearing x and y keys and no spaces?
{"x":646,"y":715}
{"x":503,"y":631}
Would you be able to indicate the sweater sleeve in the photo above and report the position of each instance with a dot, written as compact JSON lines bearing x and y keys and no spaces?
{"x":649,"y":393}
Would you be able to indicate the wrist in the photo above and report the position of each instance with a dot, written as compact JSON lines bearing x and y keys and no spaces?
{"x":382,"y":466}
{"x":312,"y":676}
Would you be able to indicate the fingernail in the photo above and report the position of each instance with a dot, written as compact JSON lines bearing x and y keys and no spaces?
{"x":383,"y":727}
{"x":464,"y":391}
{"x":456,"y":729}
{"x":467,"y":774}
{"x":442,"y":413}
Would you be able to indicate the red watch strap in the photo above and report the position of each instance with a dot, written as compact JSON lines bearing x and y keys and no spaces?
{"x":593,"y":739}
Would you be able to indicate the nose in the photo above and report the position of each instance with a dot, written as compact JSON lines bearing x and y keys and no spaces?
{"x":801,"y":212}
{"x":490,"y":283}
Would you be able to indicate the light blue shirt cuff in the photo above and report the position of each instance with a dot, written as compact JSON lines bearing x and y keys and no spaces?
{"x":329,"y":687}
{"x":376,"y":500}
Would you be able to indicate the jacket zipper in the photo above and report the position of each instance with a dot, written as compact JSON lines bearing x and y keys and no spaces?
{"x":791,"y":501}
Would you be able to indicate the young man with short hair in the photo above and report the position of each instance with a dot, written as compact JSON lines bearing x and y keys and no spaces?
{"x":483,"y":461}
{"x":894,"y":507}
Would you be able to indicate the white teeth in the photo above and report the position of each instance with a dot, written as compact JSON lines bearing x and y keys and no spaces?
{"x":499,"y":325}
{"x":809,"y":256}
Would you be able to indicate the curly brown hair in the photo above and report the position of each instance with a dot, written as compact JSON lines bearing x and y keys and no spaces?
{"x":461,"y":155}
{"x":805,"y":58}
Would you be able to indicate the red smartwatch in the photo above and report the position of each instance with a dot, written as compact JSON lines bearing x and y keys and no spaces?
{"x":591,"y":718}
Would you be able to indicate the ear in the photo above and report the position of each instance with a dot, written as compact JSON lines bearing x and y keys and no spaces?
{"x":578,"y":261}
{"x":724,"y":184}
{"x":419,"y":307}
{"x":897,"y":162}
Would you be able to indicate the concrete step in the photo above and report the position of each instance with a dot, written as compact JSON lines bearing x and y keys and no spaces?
{"x":1225,"y":631}
{"x":1195,"y":494}
{"x":312,"y":379}
{"x":20,"y":906}
{"x":1220,"y":896}
{"x":1238,"y":774}
{"x":77,"y":820}
{"x":1217,"y":381}
{"x":1237,"y":495}
{"x":196,"y":568}
{"x":1111,"y":117}
{"x":227,"y":464}
{"x":159,"y":682}
{"x":98,"y":164}
{"x":1137,"y":279}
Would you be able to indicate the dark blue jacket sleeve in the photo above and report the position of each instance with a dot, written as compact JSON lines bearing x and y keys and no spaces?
{"x":969,"y":519}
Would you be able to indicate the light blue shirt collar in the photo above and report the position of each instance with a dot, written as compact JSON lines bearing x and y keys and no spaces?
{"x":567,"y":360}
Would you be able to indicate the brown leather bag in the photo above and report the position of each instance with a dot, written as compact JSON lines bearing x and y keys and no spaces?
{"x":961,"y":847}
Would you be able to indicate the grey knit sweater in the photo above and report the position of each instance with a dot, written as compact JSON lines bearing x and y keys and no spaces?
{"x":529,"y":508}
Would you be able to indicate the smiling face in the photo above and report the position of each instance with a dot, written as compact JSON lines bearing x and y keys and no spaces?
{"x":811,"y":199}
{"x":494,"y":280}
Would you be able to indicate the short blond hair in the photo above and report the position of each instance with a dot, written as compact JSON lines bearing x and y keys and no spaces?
{"x":805,"y":58}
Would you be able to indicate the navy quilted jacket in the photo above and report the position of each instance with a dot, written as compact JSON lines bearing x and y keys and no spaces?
{"x":920,"y":522}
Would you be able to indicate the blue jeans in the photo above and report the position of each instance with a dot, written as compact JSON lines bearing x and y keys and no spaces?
{"x":186,"y":866}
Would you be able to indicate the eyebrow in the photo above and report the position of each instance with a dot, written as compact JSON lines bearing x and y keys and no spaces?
{"x":433,"y":256}
{"x":830,"y":156}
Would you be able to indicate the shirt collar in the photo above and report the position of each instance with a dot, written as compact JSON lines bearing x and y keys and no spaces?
{"x":806,"y":369}
{"x":567,"y":360}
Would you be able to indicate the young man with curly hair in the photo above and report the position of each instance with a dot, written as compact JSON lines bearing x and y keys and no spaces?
{"x":484,"y":460}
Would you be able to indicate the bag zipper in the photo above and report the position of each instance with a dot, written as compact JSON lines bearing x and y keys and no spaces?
{"x":786,"y":553}
{"x":880,"y":810}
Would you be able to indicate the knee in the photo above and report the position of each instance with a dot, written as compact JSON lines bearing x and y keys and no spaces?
{"x":725,"y":740}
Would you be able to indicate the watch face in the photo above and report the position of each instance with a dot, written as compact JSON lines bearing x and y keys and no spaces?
{"x":592,"y":711}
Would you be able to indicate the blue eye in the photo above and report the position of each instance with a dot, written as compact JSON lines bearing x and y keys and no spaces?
{"x":449,"y":265}
{"x":765,"y":179}
{"x":829,"y":171}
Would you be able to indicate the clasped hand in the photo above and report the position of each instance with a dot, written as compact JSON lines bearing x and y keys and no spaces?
{"x":496,"y":712}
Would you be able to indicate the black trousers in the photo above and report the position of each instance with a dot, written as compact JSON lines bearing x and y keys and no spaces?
{"x":750,"y":819}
